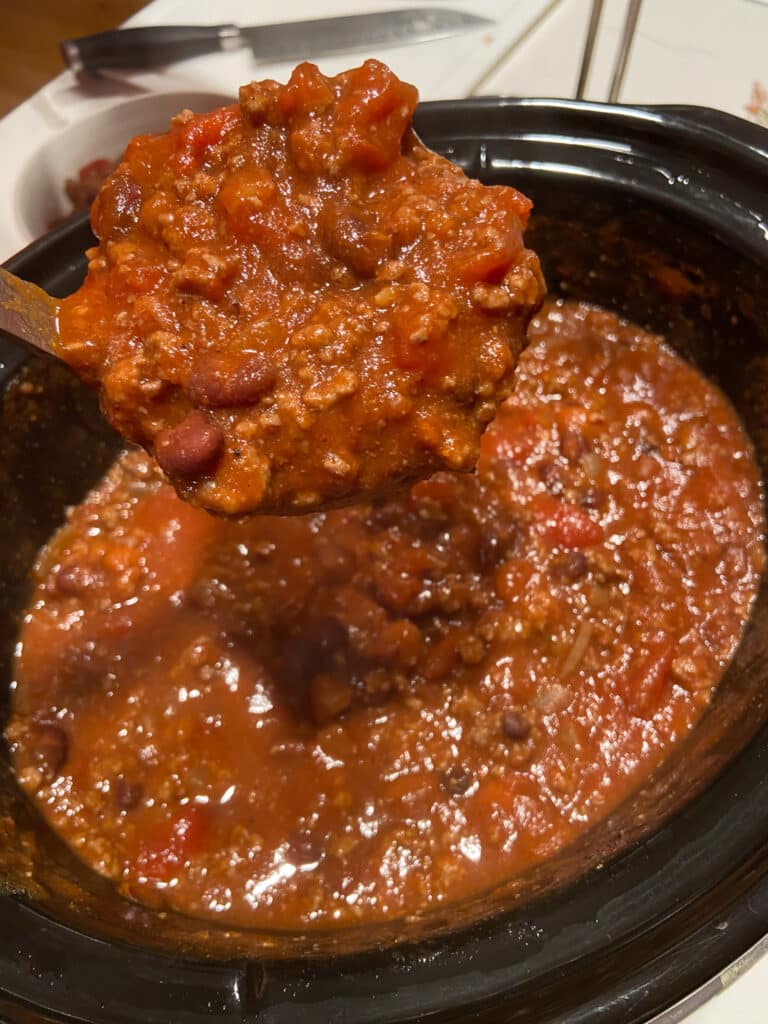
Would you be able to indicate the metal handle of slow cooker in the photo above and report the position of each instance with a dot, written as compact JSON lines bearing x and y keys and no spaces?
{"x":622,"y":57}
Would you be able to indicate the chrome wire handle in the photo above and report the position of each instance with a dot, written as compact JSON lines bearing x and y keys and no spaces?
{"x":589,"y":47}
{"x":625,"y":47}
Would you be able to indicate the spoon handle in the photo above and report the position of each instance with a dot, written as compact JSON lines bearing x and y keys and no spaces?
{"x":28,"y":313}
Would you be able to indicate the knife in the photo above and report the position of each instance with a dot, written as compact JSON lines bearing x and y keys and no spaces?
{"x":155,"y":45}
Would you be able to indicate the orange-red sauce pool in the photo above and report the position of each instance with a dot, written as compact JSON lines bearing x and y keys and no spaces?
{"x":355,"y":715}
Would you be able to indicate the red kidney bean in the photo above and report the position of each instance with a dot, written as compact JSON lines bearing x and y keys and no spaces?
{"x":493,"y":549}
{"x":515,"y":726}
{"x":457,"y":780}
{"x":218,"y":385}
{"x":348,"y":239}
{"x":127,"y":794}
{"x":119,"y":202}
{"x":593,"y":497}
{"x":192,"y":447}
{"x":570,"y":567}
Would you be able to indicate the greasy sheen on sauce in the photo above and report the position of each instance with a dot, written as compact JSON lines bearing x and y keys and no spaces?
{"x":368,"y":712}
{"x":295,"y":304}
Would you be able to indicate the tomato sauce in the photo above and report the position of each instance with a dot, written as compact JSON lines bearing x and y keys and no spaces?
{"x":360,"y":714}
{"x":295,"y":304}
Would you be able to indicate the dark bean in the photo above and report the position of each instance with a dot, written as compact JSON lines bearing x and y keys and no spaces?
{"x":327,"y":633}
{"x":573,"y":444}
{"x":551,"y":476}
{"x":127,"y":794}
{"x":119,"y":203}
{"x":50,"y":746}
{"x":191,"y":448}
{"x":571,"y":567}
{"x":594,"y":497}
{"x":74,"y":580}
{"x":515,"y":726}
{"x":495,"y":548}
{"x":313,"y":649}
{"x":218,"y":385}
{"x":347,"y":239}
{"x":456,"y":781}
{"x":297,"y":661}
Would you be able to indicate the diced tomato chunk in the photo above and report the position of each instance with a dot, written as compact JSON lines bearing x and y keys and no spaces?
{"x":172,"y":845}
{"x":246,"y":198}
{"x":564,"y":524}
{"x":202,"y":132}
{"x":643,"y":685}
{"x":511,"y":437}
{"x":375,"y":113}
{"x":138,"y":278}
{"x":306,"y":90}
{"x":490,"y":264}
{"x":96,"y":168}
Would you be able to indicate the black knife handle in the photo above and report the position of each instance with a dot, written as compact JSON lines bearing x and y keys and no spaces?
{"x":147,"y":47}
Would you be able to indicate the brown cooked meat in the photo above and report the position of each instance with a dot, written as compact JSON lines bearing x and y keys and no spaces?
{"x":295,"y":303}
{"x":360,"y":715}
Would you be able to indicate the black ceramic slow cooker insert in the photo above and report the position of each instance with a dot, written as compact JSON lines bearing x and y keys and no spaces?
{"x":654,"y":900}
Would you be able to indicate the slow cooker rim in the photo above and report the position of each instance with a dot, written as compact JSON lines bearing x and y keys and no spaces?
{"x":718,"y":941}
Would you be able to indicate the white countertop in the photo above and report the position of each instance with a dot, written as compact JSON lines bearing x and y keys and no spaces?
{"x":704,"y":52}
{"x":707,"y":52}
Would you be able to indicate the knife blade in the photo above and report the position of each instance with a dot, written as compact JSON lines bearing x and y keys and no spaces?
{"x":157,"y":45}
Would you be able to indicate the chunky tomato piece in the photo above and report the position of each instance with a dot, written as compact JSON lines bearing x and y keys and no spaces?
{"x":201,"y":133}
{"x":564,"y":524}
{"x":138,"y":278}
{"x":511,"y":438}
{"x":375,"y":115}
{"x":246,"y":199}
{"x":644,"y":684}
{"x":169,"y":847}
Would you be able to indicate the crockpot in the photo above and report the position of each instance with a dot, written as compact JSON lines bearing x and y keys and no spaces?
{"x":655,"y":899}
